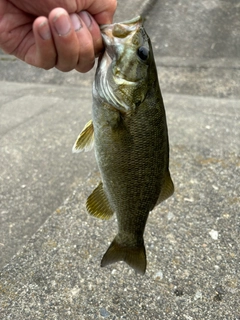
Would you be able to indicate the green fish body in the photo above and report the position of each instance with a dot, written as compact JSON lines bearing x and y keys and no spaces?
{"x":130,"y":138}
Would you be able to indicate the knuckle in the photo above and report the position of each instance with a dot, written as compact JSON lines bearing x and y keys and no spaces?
{"x":84,"y":66}
{"x":46,"y":63}
{"x":66,"y":63}
{"x":64,"y":68}
{"x":48,"y":67}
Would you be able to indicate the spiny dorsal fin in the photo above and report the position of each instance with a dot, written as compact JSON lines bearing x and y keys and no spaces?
{"x":98,"y":205}
{"x":85,"y":139}
{"x":167,"y":189}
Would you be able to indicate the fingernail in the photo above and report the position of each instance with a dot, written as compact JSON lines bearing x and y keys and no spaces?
{"x":44,"y":31}
{"x":62,"y":24}
{"x":75,"y":21}
{"x":86,"y":18}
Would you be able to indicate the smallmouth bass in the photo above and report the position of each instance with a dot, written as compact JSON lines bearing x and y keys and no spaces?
{"x":129,"y":132}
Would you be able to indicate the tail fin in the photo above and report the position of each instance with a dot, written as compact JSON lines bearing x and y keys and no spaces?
{"x":135,"y":257}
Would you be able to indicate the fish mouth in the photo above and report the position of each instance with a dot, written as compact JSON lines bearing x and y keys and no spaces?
{"x":114,"y":34}
{"x":119,"y":30}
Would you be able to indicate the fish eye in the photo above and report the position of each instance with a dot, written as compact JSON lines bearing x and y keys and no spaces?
{"x":143,"y":53}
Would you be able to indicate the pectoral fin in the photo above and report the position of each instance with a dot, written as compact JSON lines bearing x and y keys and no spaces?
{"x":98,"y":204}
{"x":85,"y":140}
{"x":167,"y":189}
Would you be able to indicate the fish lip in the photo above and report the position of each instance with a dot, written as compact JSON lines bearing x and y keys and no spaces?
{"x":107,"y":29}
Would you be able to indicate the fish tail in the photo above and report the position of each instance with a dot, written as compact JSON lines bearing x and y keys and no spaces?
{"x":135,"y":257}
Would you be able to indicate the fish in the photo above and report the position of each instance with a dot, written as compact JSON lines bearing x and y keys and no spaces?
{"x":129,"y":133}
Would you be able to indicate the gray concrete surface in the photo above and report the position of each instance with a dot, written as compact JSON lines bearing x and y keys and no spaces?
{"x":38,"y":126}
{"x":192,"y":240}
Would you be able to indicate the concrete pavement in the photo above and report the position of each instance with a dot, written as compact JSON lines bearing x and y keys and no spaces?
{"x":192,"y":240}
{"x":38,"y":126}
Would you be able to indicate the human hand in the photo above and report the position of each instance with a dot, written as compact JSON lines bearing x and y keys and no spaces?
{"x":45,"y":36}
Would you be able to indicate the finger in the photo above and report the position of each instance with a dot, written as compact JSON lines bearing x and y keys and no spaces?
{"x":86,"y":54}
{"x":43,"y":53}
{"x":94,"y":30}
{"x":64,"y":29}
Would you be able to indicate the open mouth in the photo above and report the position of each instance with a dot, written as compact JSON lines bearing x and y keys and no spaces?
{"x":119,"y":30}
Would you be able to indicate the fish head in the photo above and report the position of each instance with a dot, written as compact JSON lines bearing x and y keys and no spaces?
{"x":123,"y":70}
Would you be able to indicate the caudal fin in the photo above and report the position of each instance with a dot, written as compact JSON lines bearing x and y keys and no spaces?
{"x":135,"y":257}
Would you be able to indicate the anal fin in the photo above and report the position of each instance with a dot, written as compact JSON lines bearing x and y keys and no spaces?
{"x":98,"y":204}
{"x":85,"y":140}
